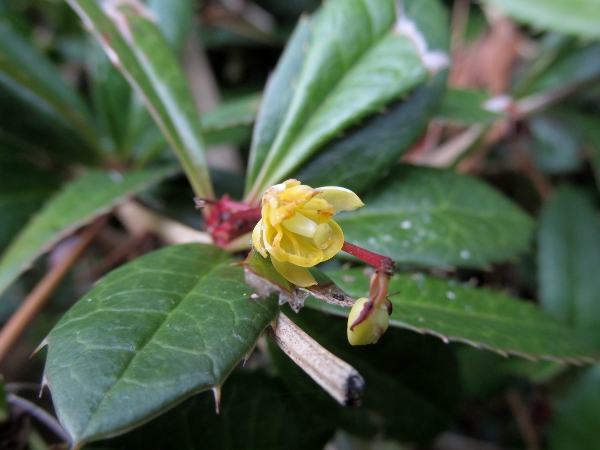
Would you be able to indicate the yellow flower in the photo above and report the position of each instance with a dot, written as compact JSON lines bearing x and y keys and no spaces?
{"x":296,"y":227}
{"x":372,"y":327}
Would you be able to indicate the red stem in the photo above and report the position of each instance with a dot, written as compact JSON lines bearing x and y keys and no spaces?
{"x":380,"y":262}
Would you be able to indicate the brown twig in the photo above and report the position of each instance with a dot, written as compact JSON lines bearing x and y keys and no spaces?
{"x":337,"y":377}
{"x":40,"y":294}
{"x":521,"y":413}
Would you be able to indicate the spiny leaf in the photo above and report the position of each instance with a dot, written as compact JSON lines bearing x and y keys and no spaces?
{"x":150,"y":334}
{"x":340,"y":84}
{"x":437,"y":218}
{"x":462,"y":313}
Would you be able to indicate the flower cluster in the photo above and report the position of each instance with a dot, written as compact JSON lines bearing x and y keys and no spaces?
{"x":296,"y":229}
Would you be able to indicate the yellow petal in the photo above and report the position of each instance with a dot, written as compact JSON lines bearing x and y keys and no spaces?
{"x":337,"y":241}
{"x":299,"y":276}
{"x":340,"y":198}
{"x":257,"y":240}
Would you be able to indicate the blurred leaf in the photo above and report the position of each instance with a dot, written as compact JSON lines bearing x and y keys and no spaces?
{"x":111,"y":95}
{"x":338,"y":85}
{"x":556,"y":145}
{"x":569,"y":258}
{"x":231,"y":121}
{"x":37,"y":105}
{"x":578,"y":17}
{"x":550,"y":48}
{"x":482,"y":373}
{"x":230,"y":114}
{"x":437,"y":218}
{"x":404,"y":398}
{"x":588,"y":132}
{"x":573,"y":66}
{"x":467,"y":107}
{"x":362,"y":157}
{"x":77,"y":203}
{"x":575,"y":423}
{"x":24,"y":190}
{"x":136,"y":46}
{"x":461,"y":313}
{"x":174,"y":19}
{"x":257,"y":412}
{"x":153,"y":332}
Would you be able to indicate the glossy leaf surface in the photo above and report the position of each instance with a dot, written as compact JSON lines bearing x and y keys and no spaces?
{"x":437,"y":218}
{"x":150,"y":334}
{"x":462,"y":313}
{"x":338,"y":85}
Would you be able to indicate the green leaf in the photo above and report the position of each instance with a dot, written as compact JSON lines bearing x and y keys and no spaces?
{"x":111,"y":95}
{"x":574,"y":66}
{"x":76,"y":204}
{"x":277,"y":96}
{"x":589,"y":134}
{"x":231,"y":121}
{"x":257,"y":412}
{"x":556,"y":145}
{"x":364,"y":154}
{"x":24,"y":190}
{"x":577,"y":17}
{"x":569,"y":257}
{"x":338,"y":85}
{"x":231,"y":114}
{"x":38,"y":106}
{"x":174,"y":18}
{"x":437,"y":218}
{"x":574,"y":424}
{"x":152,"y":333}
{"x":265,"y":279}
{"x":467,"y":107}
{"x":404,"y":398}
{"x":462,"y":313}
{"x":136,"y":46}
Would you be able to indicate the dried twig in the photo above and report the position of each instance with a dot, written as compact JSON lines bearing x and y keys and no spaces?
{"x":338,"y":378}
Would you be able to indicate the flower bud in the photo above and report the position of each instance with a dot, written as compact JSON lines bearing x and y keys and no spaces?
{"x":371,"y":327}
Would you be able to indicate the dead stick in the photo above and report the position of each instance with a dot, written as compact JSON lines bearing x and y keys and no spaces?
{"x":337,"y":377}
{"x":36,"y":299}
